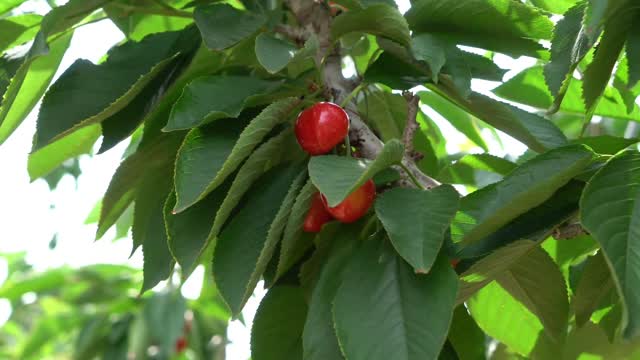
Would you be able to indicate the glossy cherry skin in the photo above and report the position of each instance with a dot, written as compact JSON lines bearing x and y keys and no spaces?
{"x":321,"y":127}
{"x":355,"y":205}
{"x":181,"y":344}
{"x":317,"y":216}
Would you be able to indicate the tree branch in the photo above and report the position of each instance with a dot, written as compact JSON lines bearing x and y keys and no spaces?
{"x":412,"y":124}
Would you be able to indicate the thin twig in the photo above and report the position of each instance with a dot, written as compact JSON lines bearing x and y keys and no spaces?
{"x":296,"y":34}
{"x":568,"y":231}
{"x":412,"y":124}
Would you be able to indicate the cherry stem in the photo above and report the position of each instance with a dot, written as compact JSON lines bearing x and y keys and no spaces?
{"x":347,"y":144}
{"x":412,"y":177}
{"x":352,"y":94}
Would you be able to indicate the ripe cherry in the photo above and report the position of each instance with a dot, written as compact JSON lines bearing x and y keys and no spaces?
{"x":317,"y":216}
{"x":321,"y":127}
{"x":355,"y":205}
{"x":454,"y":262}
{"x":181,"y":344}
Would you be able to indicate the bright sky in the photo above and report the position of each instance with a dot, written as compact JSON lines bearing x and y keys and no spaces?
{"x":32,"y":214}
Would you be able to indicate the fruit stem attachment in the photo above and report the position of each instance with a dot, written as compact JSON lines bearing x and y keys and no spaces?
{"x":352,"y":94}
{"x":347,"y":144}
{"x":412,"y":177}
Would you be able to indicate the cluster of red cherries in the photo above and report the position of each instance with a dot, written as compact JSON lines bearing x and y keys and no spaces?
{"x":319,"y":129}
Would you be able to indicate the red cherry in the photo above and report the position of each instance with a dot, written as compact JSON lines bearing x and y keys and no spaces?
{"x":355,"y":205}
{"x":454,"y":262}
{"x":321,"y":127}
{"x":181,"y":344}
{"x":317,"y":216}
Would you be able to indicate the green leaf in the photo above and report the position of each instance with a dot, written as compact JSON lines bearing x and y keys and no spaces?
{"x":416,"y":221}
{"x":385,"y":112}
{"x":489,"y":267}
{"x":595,"y":284}
{"x":389,"y":70}
{"x":50,"y":157}
{"x":274,"y":54}
{"x":597,"y":75}
{"x":528,"y":87}
{"x":476,"y":169}
{"x":276,"y":334}
{"x":18,"y":30}
{"x":606,"y":144}
{"x":61,"y":18}
{"x":383,"y":310}
{"x":39,"y":283}
{"x":592,"y":341}
{"x":459,"y":70}
{"x":275,"y":231}
{"x":486,"y":210}
{"x":337,"y":176}
{"x":536,"y":282}
{"x":482,"y":67}
{"x":465,"y":336}
{"x":163,"y":319}
{"x":122,"y":124}
{"x":536,"y":224}
{"x":379,"y":19}
{"x":148,"y":159}
{"x":534,"y":131}
{"x":149,"y":227}
{"x":9,"y":5}
{"x":319,"y":336}
{"x":91,"y":337}
{"x":430,"y":48}
{"x":47,"y":329}
{"x":633,"y":53}
{"x":215,"y":97}
{"x":609,"y":211}
{"x":28,"y":84}
{"x":210,"y":154}
{"x":242,"y":241}
{"x":460,"y":119}
{"x":223,"y":26}
{"x":503,"y":25}
{"x":294,"y":245}
{"x":494,"y":309}
{"x":72,"y":102}
{"x":277,"y":150}
{"x":137,"y":25}
{"x":554,"y":6}
{"x":569,"y":45}
{"x":188,"y":231}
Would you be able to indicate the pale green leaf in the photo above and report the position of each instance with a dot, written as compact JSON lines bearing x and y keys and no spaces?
{"x":28,"y":85}
{"x":48,"y":158}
